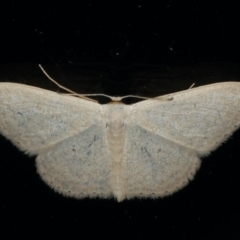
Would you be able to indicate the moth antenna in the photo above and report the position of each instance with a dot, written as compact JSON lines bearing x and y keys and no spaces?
{"x":192,"y":86}
{"x":66,"y":89}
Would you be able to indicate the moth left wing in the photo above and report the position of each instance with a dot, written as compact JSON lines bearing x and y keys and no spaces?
{"x":34,"y":118}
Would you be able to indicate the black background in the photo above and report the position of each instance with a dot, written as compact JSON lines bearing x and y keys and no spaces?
{"x":118,"y":48}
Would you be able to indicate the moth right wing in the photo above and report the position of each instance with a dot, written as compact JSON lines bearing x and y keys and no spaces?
{"x":199,"y":118}
{"x":165,"y":137}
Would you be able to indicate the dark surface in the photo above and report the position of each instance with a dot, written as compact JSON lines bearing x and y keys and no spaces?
{"x":117,"y":49}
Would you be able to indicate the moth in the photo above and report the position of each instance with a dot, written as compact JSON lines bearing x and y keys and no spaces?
{"x":148,"y":149}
